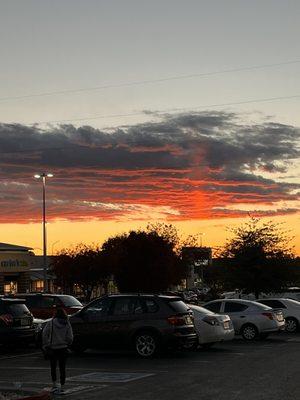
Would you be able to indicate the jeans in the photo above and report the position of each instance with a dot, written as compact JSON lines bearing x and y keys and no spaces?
{"x":59,"y":355}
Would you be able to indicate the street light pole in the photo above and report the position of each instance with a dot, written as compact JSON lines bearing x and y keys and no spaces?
{"x":44,"y":176}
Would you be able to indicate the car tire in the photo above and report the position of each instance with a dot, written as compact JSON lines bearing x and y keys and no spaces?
{"x":249,"y":332}
{"x":207,"y":346}
{"x":146,"y":344}
{"x":291,"y":325}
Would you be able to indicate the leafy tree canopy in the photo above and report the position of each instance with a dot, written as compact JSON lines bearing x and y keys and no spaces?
{"x":258,"y":257}
{"x":82,"y":265}
{"x":145,"y":261}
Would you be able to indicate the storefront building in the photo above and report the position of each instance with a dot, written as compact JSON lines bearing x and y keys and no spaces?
{"x":20,"y":269}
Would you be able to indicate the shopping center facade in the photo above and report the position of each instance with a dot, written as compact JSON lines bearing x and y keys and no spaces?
{"x":20,"y":269}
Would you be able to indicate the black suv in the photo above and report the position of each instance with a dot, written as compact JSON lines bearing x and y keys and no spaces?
{"x":144,"y":322}
{"x":16,"y":322}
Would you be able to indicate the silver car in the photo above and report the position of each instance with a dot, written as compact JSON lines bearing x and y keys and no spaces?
{"x":211,"y":328}
{"x":250,"y":319}
{"x":290,"y":309}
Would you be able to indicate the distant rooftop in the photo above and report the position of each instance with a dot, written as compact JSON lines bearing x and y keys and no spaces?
{"x":13,"y":247}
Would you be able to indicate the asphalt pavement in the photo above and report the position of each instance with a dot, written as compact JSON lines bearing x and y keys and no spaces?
{"x":265,"y":369}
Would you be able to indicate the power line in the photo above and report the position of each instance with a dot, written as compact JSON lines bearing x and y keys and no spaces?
{"x":146,"y":82}
{"x":265,"y":100}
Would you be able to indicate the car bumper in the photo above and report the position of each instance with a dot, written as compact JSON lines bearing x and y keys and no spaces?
{"x":18,"y":336}
{"x":275,"y":329}
{"x":179,"y":340}
{"x":217,"y":336}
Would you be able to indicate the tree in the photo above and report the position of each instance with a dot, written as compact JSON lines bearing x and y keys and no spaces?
{"x":258,"y":257}
{"x":144,"y":261}
{"x":82,"y":265}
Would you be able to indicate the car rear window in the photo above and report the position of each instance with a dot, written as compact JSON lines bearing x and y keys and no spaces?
{"x":202,"y":310}
{"x":17,"y":310}
{"x":70,"y":301}
{"x":178,"y":305}
{"x":273,"y":303}
{"x":31,"y":301}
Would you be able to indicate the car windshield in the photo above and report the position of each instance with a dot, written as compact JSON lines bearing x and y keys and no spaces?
{"x":70,"y":301}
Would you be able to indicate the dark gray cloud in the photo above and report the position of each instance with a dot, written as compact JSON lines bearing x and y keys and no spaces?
{"x":172,"y":162}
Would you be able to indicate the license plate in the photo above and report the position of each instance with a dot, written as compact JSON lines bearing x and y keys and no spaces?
{"x":25,"y":322}
{"x":280,"y":317}
{"x":226,"y":325}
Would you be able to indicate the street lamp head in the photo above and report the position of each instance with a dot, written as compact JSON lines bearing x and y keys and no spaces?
{"x":43,"y":175}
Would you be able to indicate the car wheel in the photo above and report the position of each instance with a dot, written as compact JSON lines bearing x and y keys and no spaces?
{"x":146,"y":344}
{"x":207,"y":345}
{"x":291,"y":325}
{"x":249,"y":332}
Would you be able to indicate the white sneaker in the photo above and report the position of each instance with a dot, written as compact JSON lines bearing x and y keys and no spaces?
{"x":55,"y":387}
{"x":61,"y":390}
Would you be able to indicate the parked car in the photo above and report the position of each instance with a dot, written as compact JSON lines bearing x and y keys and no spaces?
{"x":290,"y":309}
{"x":16,"y":322}
{"x":146,"y":323}
{"x":210,"y":327}
{"x":250,"y":319}
{"x":42,"y":305}
{"x":289,"y":293}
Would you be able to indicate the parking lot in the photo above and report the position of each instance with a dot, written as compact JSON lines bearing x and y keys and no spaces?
{"x":266,"y":369}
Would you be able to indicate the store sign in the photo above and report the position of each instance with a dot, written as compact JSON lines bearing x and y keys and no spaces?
{"x":14,"y":263}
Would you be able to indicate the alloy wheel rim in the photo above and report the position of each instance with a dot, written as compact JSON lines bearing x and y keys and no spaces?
{"x":249,"y":333}
{"x":291,"y":325}
{"x":145,"y":345}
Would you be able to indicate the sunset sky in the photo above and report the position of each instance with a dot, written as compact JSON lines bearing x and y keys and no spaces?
{"x":183,"y":112}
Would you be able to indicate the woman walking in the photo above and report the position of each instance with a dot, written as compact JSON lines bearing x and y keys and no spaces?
{"x":57,"y":336}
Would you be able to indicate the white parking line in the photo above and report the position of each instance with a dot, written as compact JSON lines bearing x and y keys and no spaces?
{"x":29,"y":355}
{"x":83,"y":369}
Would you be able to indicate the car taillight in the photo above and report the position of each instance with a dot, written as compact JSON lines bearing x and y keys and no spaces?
{"x":176,"y":320}
{"x":211,"y":320}
{"x":7,"y":319}
{"x":268,"y":315}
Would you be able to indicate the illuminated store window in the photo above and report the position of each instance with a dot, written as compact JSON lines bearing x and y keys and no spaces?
{"x":37,"y":286}
{"x":10,"y":287}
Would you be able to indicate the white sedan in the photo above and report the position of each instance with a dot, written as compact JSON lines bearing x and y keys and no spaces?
{"x":210,"y":327}
{"x":290,"y":309}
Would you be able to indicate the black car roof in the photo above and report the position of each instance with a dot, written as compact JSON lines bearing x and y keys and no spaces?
{"x":43,"y":294}
{"x":116,"y":295}
{"x":11,"y":300}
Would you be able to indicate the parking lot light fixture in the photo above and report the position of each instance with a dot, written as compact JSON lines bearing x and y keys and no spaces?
{"x":43,"y":176}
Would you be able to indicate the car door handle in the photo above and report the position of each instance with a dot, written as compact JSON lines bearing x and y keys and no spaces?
{"x":242,"y":316}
